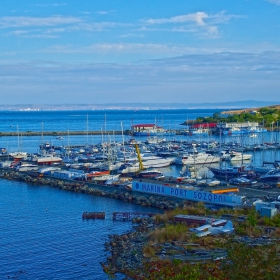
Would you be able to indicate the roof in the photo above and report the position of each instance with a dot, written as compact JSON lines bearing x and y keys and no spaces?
{"x":145,"y":125}
{"x":218,"y":222}
{"x":204,"y":125}
{"x":202,"y":228}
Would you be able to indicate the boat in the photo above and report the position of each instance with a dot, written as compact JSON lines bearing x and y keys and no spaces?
{"x":228,"y":172}
{"x":272,"y":175}
{"x":106,"y":178}
{"x":97,"y":173}
{"x":253,"y":135}
{"x":199,"y":158}
{"x":213,"y":183}
{"x":237,"y":156}
{"x":128,"y":169}
{"x":149,"y":172}
{"x":49,"y":159}
{"x":234,"y":156}
{"x":27,"y":167}
{"x":18,"y":155}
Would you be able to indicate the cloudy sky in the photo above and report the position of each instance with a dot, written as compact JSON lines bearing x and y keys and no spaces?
{"x":92,"y":51}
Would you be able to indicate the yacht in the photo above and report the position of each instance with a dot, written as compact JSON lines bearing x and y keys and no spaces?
{"x":199,"y":158}
{"x":237,"y":156}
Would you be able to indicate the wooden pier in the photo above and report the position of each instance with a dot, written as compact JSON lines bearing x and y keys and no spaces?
{"x":93,"y":215}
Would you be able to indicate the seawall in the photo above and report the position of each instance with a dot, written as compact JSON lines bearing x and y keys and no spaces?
{"x":125,"y":195}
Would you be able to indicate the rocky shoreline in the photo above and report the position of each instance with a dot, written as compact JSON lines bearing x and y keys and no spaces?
{"x":126,"y":250}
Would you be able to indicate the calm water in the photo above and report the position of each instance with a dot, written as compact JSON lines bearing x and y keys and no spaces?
{"x":42,"y":235}
{"x":95,"y":120}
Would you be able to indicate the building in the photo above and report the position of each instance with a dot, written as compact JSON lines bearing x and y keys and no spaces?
{"x":202,"y":128}
{"x":147,"y":130}
{"x":239,"y":128}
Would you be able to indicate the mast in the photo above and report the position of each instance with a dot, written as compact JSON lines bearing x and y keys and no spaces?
{"x":18,"y":137}
{"x":123,"y":142}
{"x":87,"y":129}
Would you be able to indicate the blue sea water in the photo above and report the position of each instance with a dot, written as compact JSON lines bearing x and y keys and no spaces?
{"x":95,"y":120}
{"x":42,"y":234}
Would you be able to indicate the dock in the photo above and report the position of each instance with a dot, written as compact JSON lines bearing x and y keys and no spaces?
{"x":93,"y":215}
{"x":128,"y":216}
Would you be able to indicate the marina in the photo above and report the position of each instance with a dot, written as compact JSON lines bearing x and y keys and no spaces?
{"x":89,"y":168}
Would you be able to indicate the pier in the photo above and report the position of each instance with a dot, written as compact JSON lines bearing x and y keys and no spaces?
{"x":127,"y":216}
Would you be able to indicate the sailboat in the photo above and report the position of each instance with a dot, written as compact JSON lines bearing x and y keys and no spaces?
{"x":17,"y":156}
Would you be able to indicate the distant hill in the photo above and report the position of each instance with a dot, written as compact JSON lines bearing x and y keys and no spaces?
{"x":232,"y":112}
{"x":127,"y":106}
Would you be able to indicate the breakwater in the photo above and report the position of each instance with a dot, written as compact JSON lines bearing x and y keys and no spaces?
{"x":96,"y":189}
{"x":60,"y":133}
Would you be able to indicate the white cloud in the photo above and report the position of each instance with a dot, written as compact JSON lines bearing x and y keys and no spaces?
{"x":51,"y":4}
{"x":131,"y":35}
{"x":212,"y":77}
{"x":21,"y":21}
{"x":105,"y":12}
{"x":276,"y":2}
{"x":194,"y":22}
{"x":197,"y":18}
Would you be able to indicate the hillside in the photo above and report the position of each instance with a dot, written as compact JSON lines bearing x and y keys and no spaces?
{"x":246,"y":110}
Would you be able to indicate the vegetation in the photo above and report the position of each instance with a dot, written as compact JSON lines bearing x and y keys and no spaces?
{"x":243,"y":261}
{"x":266,"y":116}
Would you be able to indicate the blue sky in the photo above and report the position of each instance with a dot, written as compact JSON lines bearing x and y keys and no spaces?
{"x":91,"y":51}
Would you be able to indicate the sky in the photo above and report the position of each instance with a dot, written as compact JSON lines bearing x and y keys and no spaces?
{"x":149,"y":51}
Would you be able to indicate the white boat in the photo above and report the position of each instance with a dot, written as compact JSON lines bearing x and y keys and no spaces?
{"x":48,"y":170}
{"x":49,"y":159}
{"x":18,"y":155}
{"x":213,"y":183}
{"x":191,"y":159}
{"x":106,"y":177}
{"x":155,"y":140}
{"x":150,"y":172}
{"x":27,"y":167}
{"x":157,"y":163}
{"x":253,"y":135}
{"x":128,"y":169}
{"x":237,"y":156}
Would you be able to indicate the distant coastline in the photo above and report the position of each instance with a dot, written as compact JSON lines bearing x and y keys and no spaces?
{"x":136,"y":106}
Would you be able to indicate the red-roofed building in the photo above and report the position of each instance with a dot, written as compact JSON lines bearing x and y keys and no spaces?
{"x":201,"y":128}
{"x":204,"y":125}
{"x":148,"y":129}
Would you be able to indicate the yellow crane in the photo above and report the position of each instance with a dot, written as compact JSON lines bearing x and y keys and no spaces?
{"x":141,"y":166}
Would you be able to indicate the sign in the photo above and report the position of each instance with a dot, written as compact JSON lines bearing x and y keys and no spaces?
{"x":180,"y":192}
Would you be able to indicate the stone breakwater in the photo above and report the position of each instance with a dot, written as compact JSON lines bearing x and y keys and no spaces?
{"x":126,"y":250}
{"x":94,"y":189}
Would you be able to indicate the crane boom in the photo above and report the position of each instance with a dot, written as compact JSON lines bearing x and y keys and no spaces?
{"x":139,"y":157}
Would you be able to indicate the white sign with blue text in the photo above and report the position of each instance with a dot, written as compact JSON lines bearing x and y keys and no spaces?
{"x":194,"y":195}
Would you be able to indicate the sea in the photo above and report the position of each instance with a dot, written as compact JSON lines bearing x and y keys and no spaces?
{"x":42,"y":233}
